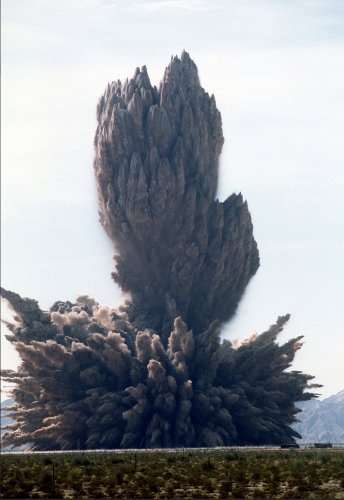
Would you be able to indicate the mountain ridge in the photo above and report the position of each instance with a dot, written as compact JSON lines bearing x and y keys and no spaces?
{"x":322,"y":421}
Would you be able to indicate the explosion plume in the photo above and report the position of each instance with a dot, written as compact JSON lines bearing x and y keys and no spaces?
{"x":181,"y":252}
{"x":154,"y":372}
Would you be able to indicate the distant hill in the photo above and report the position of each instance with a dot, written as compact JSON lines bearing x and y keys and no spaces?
{"x":322,"y":421}
{"x":7,"y":420}
{"x":3,"y":416}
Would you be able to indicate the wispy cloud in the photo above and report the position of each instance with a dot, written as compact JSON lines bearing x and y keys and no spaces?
{"x":174,"y":6}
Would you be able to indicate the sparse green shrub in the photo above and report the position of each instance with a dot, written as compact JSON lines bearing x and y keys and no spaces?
{"x":232,"y":455}
{"x":273,"y":475}
{"x":225,"y":488}
{"x":119,"y":477}
{"x":239,"y":491}
{"x":256,"y":475}
{"x":207,"y":464}
{"x":258,"y":493}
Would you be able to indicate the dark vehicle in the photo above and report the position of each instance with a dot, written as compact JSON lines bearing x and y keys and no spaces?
{"x":322,"y":445}
{"x":288,"y":446}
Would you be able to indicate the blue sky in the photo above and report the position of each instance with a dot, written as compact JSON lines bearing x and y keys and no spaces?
{"x":277,"y":71}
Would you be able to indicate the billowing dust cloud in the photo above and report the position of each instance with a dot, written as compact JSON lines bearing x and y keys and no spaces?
{"x":180,"y":251}
{"x":154,"y":372}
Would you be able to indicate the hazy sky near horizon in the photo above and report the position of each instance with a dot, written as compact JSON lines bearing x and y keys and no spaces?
{"x":276,"y":68}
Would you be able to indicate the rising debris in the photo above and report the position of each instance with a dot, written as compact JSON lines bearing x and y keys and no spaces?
{"x":154,"y":372}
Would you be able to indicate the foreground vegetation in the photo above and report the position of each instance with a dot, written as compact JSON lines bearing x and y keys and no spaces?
{"x":194,"y":474}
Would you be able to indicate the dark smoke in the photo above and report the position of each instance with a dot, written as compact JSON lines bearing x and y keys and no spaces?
{"x":180,"y":251}
{"x":154,"y":372}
